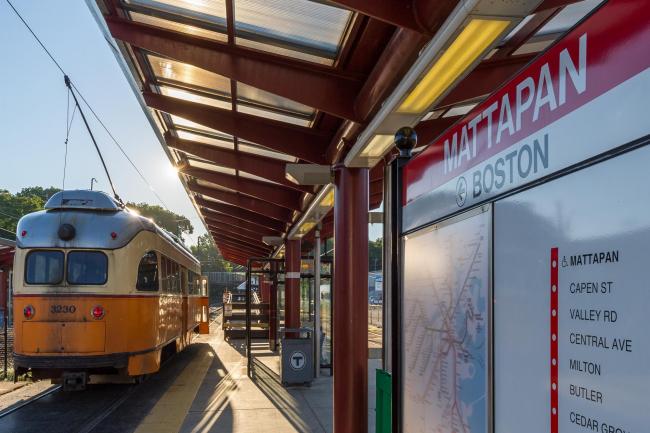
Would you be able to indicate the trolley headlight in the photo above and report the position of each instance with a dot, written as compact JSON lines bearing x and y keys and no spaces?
{"x":29,"y":312}
{"x":97,"y":312}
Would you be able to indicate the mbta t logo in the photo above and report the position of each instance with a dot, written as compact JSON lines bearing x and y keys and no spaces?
{"x":297,"y":360}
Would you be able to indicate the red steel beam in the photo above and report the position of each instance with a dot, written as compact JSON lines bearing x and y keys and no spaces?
{"x":376,"y":187}
{"x":416,"y":15}
{"x":243,"y":214}
{"x":234,"y":231}
{"x":211,"y":215}
{"x":299,"y":141}
{"x":238,"y":251}
{"x":262,"y":166}
{"x":485,"y":78}
{"x":429,"y":130}
{"x":273,"y":194}
{"x":238,"y":242}
{"x":551,"y":4}
{"x":233,"y":251}
{"x":244,"y":202}
{"x":239,"y":260}
{"x":316,"y":86}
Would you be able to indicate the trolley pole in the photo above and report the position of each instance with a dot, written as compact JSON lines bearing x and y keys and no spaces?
{"x":405,"y":141}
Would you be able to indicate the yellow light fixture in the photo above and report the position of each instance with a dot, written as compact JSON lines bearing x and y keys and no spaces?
{"x":475,"y":38}
{"x":328,"y":200}
{"x":378,"y":146}
{"x":306,"y":227}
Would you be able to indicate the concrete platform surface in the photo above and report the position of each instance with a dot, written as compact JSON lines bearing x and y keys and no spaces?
{"x":214,"y":394}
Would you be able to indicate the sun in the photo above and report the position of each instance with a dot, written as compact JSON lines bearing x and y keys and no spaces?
{"x":172,"y":171}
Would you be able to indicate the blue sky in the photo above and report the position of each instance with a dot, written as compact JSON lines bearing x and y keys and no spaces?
{"x":33,"y":111}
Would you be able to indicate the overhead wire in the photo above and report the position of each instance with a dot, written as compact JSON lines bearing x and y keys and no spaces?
{"x":9,"y":216}
{"x":85,"y":101}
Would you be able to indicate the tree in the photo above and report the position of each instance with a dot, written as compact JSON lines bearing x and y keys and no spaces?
{"x":13,"y":207}
{"x":375,"y":253}
{"x":170,"y":221}
{"x":210,"y":258}
{"x":38,"y":191}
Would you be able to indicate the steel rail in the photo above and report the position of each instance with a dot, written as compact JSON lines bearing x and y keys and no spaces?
{"x":30,"y":400}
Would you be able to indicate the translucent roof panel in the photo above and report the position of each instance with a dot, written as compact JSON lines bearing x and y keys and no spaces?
{"x":188,"y":124}
{"x":275,"y":49}
{"x":193,"y":97}
{"x":534,"y":46}
{"x":569,"y":16}
{"x":211,"y":11}
{"x":213,"y":185}
{"x":254,"y":177}
{"x":182,"y":73}
{"x":211,"y":167}
{"x":202,"y":138}
{"x":252,"y":94}
{"x":256,"y":150}
{"x":178,"y":27}
{"x":460,"y":110}
{"x":301,"y":25}
{"x":273,"y":115}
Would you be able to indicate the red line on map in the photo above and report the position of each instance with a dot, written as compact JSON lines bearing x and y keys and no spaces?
{"x":554,"y":339}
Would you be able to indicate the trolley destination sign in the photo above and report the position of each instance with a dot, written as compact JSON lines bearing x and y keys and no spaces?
{"x":539,"y":123}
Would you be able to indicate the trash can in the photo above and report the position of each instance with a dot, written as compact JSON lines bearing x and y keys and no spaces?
{"x":296,"y":357}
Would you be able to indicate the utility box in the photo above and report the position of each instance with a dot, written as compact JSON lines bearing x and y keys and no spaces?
{"x":296,"y":357}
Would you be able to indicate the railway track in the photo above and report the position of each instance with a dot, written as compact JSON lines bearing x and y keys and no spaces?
{"x":82,"y":411}
{"x":22,"y":404}
{"x":95,"y":409}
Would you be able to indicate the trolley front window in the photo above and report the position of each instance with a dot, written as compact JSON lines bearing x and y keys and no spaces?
{"x":87,"y":268}
{"x":44,"y":267}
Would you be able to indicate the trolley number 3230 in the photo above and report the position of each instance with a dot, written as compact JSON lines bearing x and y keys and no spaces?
{"x":56,"y":309}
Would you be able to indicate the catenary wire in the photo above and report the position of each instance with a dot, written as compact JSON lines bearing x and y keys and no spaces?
{"x":9,"y":215}
{"x":95,"y":115}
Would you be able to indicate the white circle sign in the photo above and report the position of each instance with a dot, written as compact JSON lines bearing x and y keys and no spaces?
{"x":297,"y":360}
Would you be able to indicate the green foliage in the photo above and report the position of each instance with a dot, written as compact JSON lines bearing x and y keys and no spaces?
{"x":375,"y":249}
{"x":38,"y":191}
{"x":14,"y":206}
{"x":170,"y":221}
{"x":209,"y":256}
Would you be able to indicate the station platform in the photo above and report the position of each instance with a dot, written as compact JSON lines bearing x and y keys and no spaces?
{"x":214,"y":394}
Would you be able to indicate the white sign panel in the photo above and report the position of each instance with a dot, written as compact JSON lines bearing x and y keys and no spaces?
{"x":446,"y":291}
{"x":571,"y":273}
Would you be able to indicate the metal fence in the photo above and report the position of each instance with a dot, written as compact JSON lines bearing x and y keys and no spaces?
{"x":227,"y":278}
{"x":6,"y":349}
{"x":375,"y":315}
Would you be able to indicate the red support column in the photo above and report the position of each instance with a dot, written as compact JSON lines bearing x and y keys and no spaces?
{"x":350,"y":301}
{"x":292,"y":284}
{"x":273,"y":307}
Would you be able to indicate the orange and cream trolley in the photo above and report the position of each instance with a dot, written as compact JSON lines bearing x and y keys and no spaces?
{"x":100,"y":291}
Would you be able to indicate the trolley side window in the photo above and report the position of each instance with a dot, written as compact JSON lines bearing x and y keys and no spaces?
{"x":44,"y":267}
{"x":148,"y":272}
{"x":87,"y":268}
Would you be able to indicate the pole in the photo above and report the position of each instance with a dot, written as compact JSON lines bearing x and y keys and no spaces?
{"x":248,"y":319}
{"x":350,"y":309}
{"x":405,"y":141}
{"x":317,"y":303}
{"x":4,"y":294}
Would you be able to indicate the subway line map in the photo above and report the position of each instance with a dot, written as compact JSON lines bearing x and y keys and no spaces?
{"x":445,"y":328}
